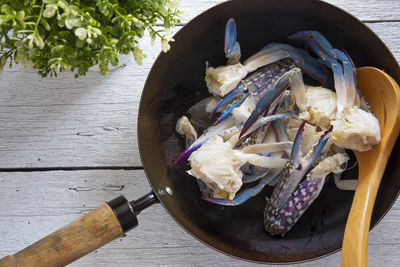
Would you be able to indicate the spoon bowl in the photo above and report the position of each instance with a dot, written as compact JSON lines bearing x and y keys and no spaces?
{"x":383,"y":95}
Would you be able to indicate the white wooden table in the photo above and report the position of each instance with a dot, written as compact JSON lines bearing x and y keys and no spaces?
{"x":68,"y":145}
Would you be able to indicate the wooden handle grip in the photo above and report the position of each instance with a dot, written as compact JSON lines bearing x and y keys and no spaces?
{"x":355,"y":240}
{"x":71,"y":242}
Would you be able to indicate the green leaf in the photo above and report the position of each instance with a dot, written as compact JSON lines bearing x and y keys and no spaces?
{"x":45,"y":24}
{"x":107,"y":29}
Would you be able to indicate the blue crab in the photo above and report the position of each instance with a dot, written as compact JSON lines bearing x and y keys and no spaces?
{"x":273,"y":95}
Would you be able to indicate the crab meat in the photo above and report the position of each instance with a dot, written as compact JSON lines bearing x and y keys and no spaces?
{"x":218,"y":165}
{"x":358,"y":130}
{"x":185,"y":128}
{"x":243,"y":112}
{"x":224,"y":79}
{"x":320,"y":106}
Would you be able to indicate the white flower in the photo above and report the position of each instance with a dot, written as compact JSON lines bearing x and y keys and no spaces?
{"x":165,"y":46}
{"x":81,"y":33}
{"x":92,"y":31}
{"x":71,"y":22}
{"x":173,"y":4}
{"x":163,"y":11}
{"x":50,"y":11}
{"x":34,"y":39}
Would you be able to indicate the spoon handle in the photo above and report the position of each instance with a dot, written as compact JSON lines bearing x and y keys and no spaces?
{"x":355,"y":240}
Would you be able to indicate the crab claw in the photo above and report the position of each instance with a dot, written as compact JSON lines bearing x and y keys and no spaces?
{"x":317,"y":38}
{"x":232,"y":48}
{"x":247,"y":193}
{"x":265,"y":102}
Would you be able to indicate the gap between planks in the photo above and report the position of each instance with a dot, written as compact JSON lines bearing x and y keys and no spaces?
{"x":78,"y":168}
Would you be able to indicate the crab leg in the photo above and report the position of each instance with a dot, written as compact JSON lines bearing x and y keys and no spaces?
{"x":265,"y":102}
{"x":277,"y":51}
{"x":249,"y":178}
{"x":317,"y":38}
{"x":298,"y":167}
{"x":247,"y":193}
{"x":347,"y":94}
{"x":264,"y":120}
{"x":270,"y":147}
{"x":279,"y":221}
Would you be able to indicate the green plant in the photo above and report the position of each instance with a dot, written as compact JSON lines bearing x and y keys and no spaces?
{"x":74,"y":35}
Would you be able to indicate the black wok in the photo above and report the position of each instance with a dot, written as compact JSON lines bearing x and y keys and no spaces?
{"x":176,"y":82}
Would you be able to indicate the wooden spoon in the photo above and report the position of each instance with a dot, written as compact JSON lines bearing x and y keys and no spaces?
{"x":383,"y":94}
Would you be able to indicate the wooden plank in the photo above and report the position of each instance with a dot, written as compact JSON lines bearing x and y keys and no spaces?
{"x":91,"y":121}
{"x":387,"y":32}
{"x":35,"y":204}
{"x":65,"y":121}
{"x":369,"y":10}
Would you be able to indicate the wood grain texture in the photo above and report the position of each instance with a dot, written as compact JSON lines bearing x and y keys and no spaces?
{"x":63,"y":196}
{"x":91,"y":122}
{"x":71,"y":242}
{"x":366,"y":10}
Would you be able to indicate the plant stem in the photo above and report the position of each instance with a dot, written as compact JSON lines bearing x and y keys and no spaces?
{"x":35,"y":30}
{"x":8,"y":53}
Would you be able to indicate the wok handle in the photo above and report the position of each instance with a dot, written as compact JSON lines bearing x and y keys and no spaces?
{"x":79,"y":238}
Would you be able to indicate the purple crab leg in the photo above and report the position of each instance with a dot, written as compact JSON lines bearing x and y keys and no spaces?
{"x":280,"y":221}
{"x":265,"y":102}
{"x":319,"y":147}
{"x":232,"y":48}
{"x":188,"y":151}
{"x":247,"y":193}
